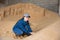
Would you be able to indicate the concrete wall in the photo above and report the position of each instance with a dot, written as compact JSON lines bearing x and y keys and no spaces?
{"x":49,"y":4}
{"x":59,"y":10}
{"x":3,"y":3}
{"x":59,"y":7}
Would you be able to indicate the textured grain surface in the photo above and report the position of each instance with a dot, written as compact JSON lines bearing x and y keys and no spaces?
{"x":44,"y":23}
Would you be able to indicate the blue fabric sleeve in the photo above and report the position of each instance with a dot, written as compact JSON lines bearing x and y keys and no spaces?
{"x":28,"y":27}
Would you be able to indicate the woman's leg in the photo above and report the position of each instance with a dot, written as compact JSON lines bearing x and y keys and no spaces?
{"x":18,"y":32}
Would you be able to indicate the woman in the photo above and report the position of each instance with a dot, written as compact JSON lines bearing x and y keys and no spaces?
{"x":22,"y":27}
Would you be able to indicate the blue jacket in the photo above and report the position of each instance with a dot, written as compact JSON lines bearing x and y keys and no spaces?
{"x":21,"y":26}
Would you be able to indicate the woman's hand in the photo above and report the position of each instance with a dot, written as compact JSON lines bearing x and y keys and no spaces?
{"x":32,"y":33}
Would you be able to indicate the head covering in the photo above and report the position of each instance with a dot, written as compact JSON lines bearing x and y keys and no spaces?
{"x":26,"y":15}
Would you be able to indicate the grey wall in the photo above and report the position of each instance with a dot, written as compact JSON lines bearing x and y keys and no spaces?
{"x":59,"y":10}
{"x":10,"y":2}
{"x":49,"y":4}
{"x":59,"y":7}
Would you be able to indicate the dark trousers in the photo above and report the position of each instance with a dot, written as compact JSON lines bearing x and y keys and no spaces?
{"x":23,"y":35}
